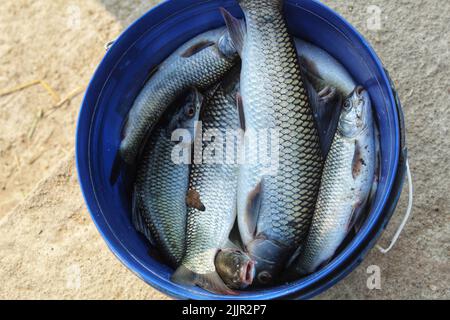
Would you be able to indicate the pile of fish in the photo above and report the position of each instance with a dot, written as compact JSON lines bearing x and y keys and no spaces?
{"x":227,"y":226}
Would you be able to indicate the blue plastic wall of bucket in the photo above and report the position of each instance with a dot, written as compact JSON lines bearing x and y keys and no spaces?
{"x":121,"y":75}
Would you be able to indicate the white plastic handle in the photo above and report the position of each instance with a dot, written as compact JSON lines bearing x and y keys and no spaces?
{"x":407,"y":215}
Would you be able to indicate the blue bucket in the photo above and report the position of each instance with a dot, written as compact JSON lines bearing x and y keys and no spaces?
{"x":120,"y":77}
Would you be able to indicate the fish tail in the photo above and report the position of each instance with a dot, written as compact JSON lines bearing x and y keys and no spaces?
{"x":120,"y":168}
{"x":138,"y":219}
{"x":116,"y":169}
{"x":236,"y":29}
{"x":210,"y":282}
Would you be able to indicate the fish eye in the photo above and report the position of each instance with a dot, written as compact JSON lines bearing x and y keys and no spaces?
{"x":264,"y":277}
{"x":347,"y":105}
{"x":190,"y":112}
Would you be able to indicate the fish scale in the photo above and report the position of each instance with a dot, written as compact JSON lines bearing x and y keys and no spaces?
{"x":173,"y":77}
{"x":208,"y":231}
{"x":274,"y":96}
{"x":163,"y":212}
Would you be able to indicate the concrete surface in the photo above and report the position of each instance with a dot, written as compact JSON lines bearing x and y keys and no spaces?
{"x":49,"y":248}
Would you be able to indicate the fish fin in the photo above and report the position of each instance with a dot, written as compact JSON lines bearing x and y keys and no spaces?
{"x":116,"y":168}
{"x":356,"y":220}
{"x":309,"y":67}
{"x":294,"y":256}
{"x":213,"y":90}
{"x":196,"y":48}
{"x":240,"y":107}
{"x":183,"y":276}
{"x":231,"y":245}
{"x":253,"y":208}
{"x":333,"y":108}
{"x":236,"y":28}
{"x":139,"y":221}
{"x":358,"y":161}
{"x":193,"y":200}
{"x":326,"y":107}
{"x":125,"y":126}
{"x":151,"y":73}
{"x":210,"y":282}
{"x":313,"y":98}
{"x":235,"y":236}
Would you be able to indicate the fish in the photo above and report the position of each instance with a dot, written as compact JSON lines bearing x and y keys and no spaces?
{"x":346,"y":183}
{"x":322,"y":69}
{"x":200,"y":63}
{"x":159,"y":199}
{"x":215,"y":182}
{"x":274,"y":207}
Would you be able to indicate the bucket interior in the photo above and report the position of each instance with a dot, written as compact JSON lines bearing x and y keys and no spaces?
{"x":121,"y":76}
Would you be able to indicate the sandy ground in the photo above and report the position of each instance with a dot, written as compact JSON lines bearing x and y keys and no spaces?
{"x":49,"y":248}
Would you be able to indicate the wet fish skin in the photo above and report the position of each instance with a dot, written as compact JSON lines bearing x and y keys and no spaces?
{"x":159,"y":198}
{"x":322,"y":69}
{"x":199,"y":63}
{"x":346,"y":183}
{"x":208,"y":231}
{"x":275,"y":211}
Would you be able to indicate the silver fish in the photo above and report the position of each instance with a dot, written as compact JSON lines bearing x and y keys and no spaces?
{"x":346,"y":183}
{"x":200,"y":63}
{"x":322,"y":69}
{"x":159,"y":199}
{"x":212,"y":215}
{"x":274,"y":210}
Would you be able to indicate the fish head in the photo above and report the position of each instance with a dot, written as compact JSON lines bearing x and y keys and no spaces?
{"x":269,"y":257}
{"x":235,"y":268}
{"x":356,"y":113}
{"x":226,"y":46}
{"x":188,"y":115}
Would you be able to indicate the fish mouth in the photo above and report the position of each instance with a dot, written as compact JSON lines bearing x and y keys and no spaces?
{"x":248,"y":273}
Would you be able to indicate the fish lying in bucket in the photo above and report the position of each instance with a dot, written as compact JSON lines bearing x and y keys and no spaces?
{"x":159,"y":198}
{"x":200,"y":63}
{"x":211,"y":217}
{"x":346,"y":183}
{"x":274,"y":210}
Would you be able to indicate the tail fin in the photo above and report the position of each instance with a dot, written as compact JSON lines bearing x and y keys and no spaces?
{"x":236,"y":29}
{"x":326,"y":107}
{"x":210,"y":282}
{"x":139,"y":221}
